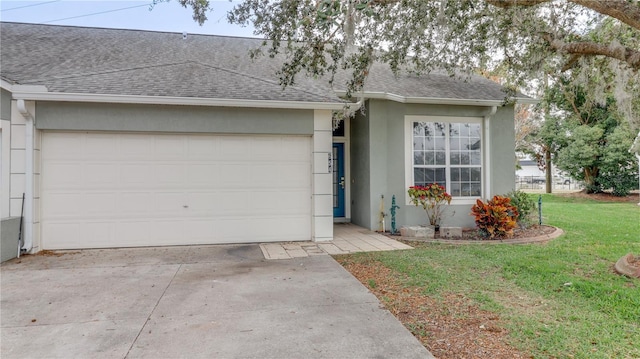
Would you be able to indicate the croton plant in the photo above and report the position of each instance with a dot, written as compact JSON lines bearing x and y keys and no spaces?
{"x":432,"y":198}
{"x":497,"y":218}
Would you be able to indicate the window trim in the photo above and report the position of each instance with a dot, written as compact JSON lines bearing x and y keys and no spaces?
{"x":408,"y":152}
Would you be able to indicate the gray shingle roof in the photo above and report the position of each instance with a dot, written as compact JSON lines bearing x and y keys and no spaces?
{"x":433,"y":85}
{"x":145,"y":63}
{"x":132,"y":62}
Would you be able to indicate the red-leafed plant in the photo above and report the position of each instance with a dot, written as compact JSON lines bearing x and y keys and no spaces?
{"x":432,"y":198}
{"x":496,"y":218}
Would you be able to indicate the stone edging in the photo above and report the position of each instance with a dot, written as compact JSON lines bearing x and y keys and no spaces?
{"x":624,"y":267}
{"x":538,"y":239}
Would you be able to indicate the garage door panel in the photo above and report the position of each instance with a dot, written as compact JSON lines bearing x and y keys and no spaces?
{"x":200,"y":230}
{"x":135,"y":203}
{"x":169,"y":174}
{"x":203,"y":148}
{"x":266,"y":149}
{"x":267,"y":173}
{"x":129,"y":234}
{"x":275,"y":229}
{"x":63,"y":146}
{"x":280,"y":202}
{"x":173,"y":189}
{"x":61,"y":175}
{"x":167,"y":203}
{"x":170,"y":147}
{"x":99,"y":146}
{"x":167,"y":231}
{"x":205,"y":202}
{"x":67,"y":235}
{"x":203,"y":174}
{"x":135,"y":175}
{"x":99,"y":204}
{"x":61,"y":205}
{"x":219,"y":203}
{"x":235,"y":175}
{"x":74,"y":235}
{"x":234,"y":148}
{"x":97,"y":232}
{"x":100,"y":174}
{"x":301,"y":155}
{"x":297,"y":175}
{"x":133,"y":147}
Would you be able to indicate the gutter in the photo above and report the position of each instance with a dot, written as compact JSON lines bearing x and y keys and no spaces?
{"x":40,"y":93}
{"x":28,"y":191}
{"x":438,"y":100}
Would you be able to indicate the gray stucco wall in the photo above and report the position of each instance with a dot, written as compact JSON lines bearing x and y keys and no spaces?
{"x":5,"y":105}
{"x":360,"y":164}
{"x":378,"y":141}
{"x":160,"y":118}
{"x":503,"y":148}
{"x":9,"y":231}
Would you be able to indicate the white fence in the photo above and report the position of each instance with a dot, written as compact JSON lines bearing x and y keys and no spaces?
{"x":539,"y":183}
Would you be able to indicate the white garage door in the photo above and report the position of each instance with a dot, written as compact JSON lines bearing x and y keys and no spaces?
{"x":104,"y":190}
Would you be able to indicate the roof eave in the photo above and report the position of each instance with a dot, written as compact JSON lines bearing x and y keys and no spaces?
{"x":436,"y":100}
{"x":19,"y":92}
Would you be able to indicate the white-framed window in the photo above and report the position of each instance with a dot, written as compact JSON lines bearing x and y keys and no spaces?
{"x":447,"y":151}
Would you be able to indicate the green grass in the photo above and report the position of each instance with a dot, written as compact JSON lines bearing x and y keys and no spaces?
{"x":559,"y":299}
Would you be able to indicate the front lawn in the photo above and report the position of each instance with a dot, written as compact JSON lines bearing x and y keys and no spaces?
{"x":561,"y":299}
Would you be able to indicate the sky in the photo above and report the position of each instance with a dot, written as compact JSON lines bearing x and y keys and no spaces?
{"x":123,"y":14}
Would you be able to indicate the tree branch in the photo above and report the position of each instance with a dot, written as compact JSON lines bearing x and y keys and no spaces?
{"x":625,"y":11}
{"x":586,"y":48}
{"x":510,"y":3}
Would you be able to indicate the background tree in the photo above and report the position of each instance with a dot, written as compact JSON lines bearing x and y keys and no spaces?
{"x":595,"y":94}
{"x":543,"y":142}
{"x":591,"y":139}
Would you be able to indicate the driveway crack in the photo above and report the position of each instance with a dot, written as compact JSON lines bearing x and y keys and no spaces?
{"x":152,"y":311}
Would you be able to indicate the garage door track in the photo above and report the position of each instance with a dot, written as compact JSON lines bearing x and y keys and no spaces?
{"x":192,"y":302}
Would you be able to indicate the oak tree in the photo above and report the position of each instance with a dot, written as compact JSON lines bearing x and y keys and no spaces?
{"x":320,"y":37}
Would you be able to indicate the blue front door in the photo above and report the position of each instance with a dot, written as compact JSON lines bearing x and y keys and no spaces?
{"x":338,"y":180}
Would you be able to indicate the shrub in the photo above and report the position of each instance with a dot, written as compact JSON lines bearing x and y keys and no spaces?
{"x":496,"y":218}
{"x":525,"y":205}
{"x":621,"y":183}
{"x":432,"y":198}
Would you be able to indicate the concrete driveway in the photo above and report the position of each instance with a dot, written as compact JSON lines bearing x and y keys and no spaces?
{"x":192,"y":302}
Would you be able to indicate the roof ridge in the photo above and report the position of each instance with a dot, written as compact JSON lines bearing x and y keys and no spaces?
{"x":131,"y":30}
{"x":259,"y":78}
{"x":107,"y":71}
{"x":297,"y":88}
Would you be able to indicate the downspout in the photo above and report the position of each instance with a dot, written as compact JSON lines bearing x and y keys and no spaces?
{"x":487,"y":148}
{"x":28,"y":191}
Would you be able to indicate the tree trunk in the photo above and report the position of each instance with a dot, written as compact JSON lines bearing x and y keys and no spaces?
{"x":590,"y":174}
{"x":548,"y":171}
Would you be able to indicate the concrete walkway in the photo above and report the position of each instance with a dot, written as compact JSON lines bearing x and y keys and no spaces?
{"x":348,"y":238}
{"x":222,"y":301}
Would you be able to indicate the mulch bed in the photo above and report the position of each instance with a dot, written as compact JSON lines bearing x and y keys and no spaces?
{"x":450,"y":328}
{"x":532,"y":234}
{"x":603,"y":197}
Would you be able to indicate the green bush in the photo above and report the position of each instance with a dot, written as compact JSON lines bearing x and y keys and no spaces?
{"x":526,"y":206}
{"x":621,"y":183}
